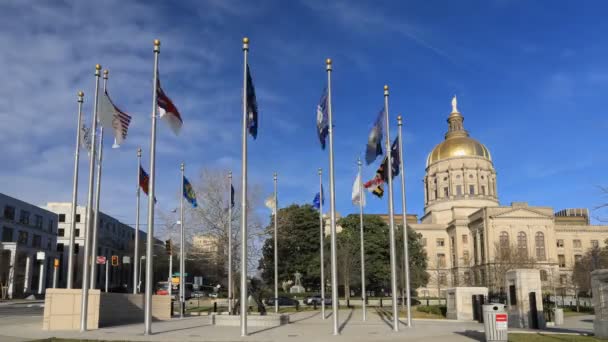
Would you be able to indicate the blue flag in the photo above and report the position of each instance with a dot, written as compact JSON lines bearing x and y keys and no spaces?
{"x":319,"y":199}
{"x":189,"y":194}
{"x":252,"y":107}
{"x":374,"y":141}
{"x":322,"y":119}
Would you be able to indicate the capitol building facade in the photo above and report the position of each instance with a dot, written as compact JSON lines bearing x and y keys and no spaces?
{"x":470,"y":238}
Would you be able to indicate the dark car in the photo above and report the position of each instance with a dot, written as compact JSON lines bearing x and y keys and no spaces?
{"x":316,"y":299}
{"x":283,"y":301}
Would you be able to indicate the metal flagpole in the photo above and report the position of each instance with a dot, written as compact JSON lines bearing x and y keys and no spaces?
{"x":84,"y":303}
{"x":230,"y":243}
{"x":136,"y":247}
{"x":55,"y":267}
{"x":243,"y":299}
{"x":182,"y":247}
{"x":322,"y":242}
{"x":170,"y":278}
{"x":276,"y":262}
{"x":363,"y":294}
{"x":406,"y":255}
{"x":332,"y":206}
{"x":106,"y":278}
{"x":150,"y":232}
{"x":391,"y":215}
{"x":74,"y":195}
{"x":97,"y":197}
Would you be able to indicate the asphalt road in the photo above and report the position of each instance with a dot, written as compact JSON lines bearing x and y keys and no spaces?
{"x":25,"y":309}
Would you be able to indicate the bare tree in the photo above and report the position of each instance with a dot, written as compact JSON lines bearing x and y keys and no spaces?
{"x":508,"y":257}
{"x":604,"y":193}
{"x":595,"y":258}
{"x":206,"y":226}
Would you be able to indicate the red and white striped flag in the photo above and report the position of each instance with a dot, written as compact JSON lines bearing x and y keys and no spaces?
{"x":112,"y":117}
{"x":168,"y":111}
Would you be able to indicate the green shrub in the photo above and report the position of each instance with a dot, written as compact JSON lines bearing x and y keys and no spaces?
{"x":439,"y":310}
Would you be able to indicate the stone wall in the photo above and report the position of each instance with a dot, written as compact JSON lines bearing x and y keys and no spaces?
{"x":62,"y":309}
{"x":599,"y":286}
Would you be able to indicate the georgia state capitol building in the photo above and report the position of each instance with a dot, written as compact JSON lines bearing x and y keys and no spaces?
{"x":464,"y":226}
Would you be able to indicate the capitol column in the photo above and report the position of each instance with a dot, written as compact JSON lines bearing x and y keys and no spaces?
{"x":426,"y":190}
{"x":478,"y":182}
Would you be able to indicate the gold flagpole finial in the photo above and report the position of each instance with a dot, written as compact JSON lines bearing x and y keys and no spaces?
{"x":156,"y":45}
{"x":399,"y":120}
{"x":328,"y":64}
{"x":385,"y":90}
{"x":80,"y":96}
{"x":97,"y":69}
{"x":245,"y":43}
{"x":105,"y":74}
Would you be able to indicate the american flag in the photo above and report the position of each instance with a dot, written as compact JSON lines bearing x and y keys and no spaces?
{"x":111,"y":116}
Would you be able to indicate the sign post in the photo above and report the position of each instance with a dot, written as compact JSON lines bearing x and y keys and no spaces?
{"x":55,"y":267}
{"x":40,"y":256}
{"x":101,"y":260}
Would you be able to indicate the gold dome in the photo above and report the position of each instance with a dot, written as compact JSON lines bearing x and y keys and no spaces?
{"x":457,"y":142}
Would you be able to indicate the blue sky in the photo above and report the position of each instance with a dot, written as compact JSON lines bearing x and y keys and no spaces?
{"x":531,"y":79}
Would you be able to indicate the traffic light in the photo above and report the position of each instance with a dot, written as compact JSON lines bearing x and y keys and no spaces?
{"x":168,"y":246}
{"x":114,"y":260}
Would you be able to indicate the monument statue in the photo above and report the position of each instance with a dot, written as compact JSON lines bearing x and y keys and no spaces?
{"x":454,"y":105}
{"x":297,"y":287}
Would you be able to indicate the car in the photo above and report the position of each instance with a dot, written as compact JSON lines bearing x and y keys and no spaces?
{"x":283,"y":301}
{"x":316,"y":299}
{"x":213,"y":295}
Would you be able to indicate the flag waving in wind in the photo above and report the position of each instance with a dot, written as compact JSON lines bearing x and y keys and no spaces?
{"x":357,"y":194}
{"x":144,"y":181}
{"x":112,"y":117}
{"x":189,"y":194}
{"x":252,"y":107}
{"x":168,"y":111}
{"x":376,"y":185}
{"x":319,"y":199}
{"x":231,"y":196}
{"x":374,"y":141}
{"x":85,"y":138}
{"x":322,"y":119}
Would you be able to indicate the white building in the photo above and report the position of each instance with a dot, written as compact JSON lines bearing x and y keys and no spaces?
{"x":114,"y":238}
{"x":27,"y":250}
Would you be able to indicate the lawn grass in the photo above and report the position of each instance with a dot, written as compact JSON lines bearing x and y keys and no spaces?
{"x":515,"y":337}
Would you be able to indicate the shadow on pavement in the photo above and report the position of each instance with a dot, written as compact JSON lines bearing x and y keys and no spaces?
{"x":305,"y":318}
{"x":384,"y":316}
{"x":350,"y":315}
{"x":473,"y":334}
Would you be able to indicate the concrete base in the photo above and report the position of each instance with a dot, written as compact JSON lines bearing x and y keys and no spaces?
{"x":599,"y":287}
{"x":270,"y":320}
{"x":519,"y":284}
{"x":558,"y":315}
{"x":62,"y":309}
{"x":460,"y":301}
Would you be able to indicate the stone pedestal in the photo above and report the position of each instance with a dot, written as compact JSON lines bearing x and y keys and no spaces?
{"x":599,"y":287}
{"x":523,"y":294}
{"x":460,"y":301}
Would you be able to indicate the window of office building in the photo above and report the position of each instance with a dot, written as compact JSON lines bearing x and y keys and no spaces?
{"x":50,"y":226}
{"x":539,"y":241}
{"x":38,"y":221}
{"x":36,"y":241}
{"x":440,"y":242}
{"x":61,"y":217}
{"x":7,"y":234}
{"x":77,"y":217}
{"x":561,"y":260}
{"x":23,"y":237}
{"x":61,"y":232}
{"x":577,"y":243}
{"x":9,"y":212}
{"x":24,"y":217}
{"x":76,"y":232}
{"x":60,"y":247}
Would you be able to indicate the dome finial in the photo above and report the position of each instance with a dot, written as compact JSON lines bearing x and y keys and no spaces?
{"x":455,"y":105}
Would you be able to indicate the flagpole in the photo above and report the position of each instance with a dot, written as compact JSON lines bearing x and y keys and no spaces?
{"x":276,"y":263}
{"x":243,"y":299}
{"x":97,"y":196}
{"x":363,"y":293}
{"x":321,"y":239}
{"x":182,"y":247}
{"x":84,"y":303}
{"x":136,"y":248}
{"x":391,"y":215}
{"x":406,"y":255}
{"x":74,"y":194}
{"x":332,"y":205}
{"x":150,"y":232}
{"x":230,"y":242}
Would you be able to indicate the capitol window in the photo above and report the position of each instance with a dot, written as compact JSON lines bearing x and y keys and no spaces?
{"x":560,"y":243}
{"x":594,"y":244}
{"x":577,"y":243}
{"x":440,"y":242}
{"x":458,"y":190}
{"x":540,"y":246}
{"x":472,"y":189}
{"x":483,"y":190}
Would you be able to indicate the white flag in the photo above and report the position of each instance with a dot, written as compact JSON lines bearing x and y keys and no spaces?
{"x":270,"y":203}
{"x":357,"y":193}
{"x":85,"y":138}
{"x":113,"y":118}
